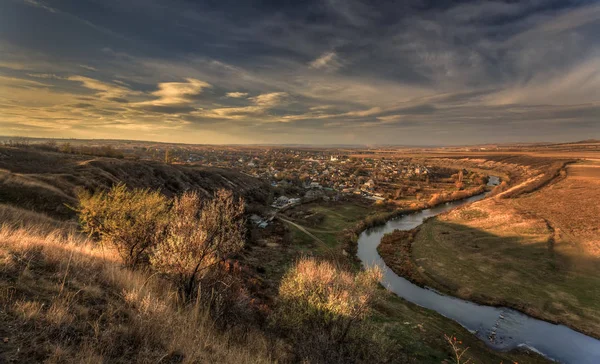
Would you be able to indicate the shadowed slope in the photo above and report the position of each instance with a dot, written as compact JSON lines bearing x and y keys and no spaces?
{"x":46,"y":181}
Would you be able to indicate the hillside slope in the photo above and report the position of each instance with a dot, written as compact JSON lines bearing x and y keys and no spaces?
{"x":47,"y":181}
{"x":64,"y":299}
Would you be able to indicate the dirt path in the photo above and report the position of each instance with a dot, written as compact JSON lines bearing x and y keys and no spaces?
{"x":303,"y":229}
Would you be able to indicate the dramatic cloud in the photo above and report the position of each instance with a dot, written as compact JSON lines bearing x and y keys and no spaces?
{"x":236,"y":95}
{"x":270,"y":99}
{"x":174,"y":93}
{"x":326,"y":71}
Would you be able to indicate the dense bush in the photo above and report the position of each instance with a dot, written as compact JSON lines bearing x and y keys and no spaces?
{"x":131,"y":221}
{"x":199,"y":236}
{"x":188,"y":240}
{"x":438,"y":198}
{"x":320,"y":304}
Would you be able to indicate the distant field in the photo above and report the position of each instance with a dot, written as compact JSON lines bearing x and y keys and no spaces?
{"x":585,"y":171}
{"x":572,"y":207}
{"x":333,"y":219}
{"x":539,"y":252}
{"x":439,"y":153}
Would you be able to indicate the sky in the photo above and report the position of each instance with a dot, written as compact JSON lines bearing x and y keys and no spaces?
{"x":413,"y":72}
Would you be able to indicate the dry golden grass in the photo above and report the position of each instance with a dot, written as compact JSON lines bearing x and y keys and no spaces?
{"x":571,"y":207}
{"x":16,"y":217}
{"x":63,"y":300}
{"x":539,"y":253}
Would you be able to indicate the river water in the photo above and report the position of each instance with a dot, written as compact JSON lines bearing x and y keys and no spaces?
{"x":500,"y":328}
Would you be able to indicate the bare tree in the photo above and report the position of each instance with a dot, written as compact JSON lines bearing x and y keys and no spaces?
{"x":199,"y":236}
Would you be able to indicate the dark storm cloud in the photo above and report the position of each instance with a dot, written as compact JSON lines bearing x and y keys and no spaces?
{"x":319,"y":71}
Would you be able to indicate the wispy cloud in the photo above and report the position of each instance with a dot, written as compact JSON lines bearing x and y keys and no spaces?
{"x":327,"y":61}
{"x":89,"y":68}
{"x":270,"y":99}
{"x":102,"y":89}
{"x":44,"y":75}
{"x":40,"y":4}
{"x":260,"y":106}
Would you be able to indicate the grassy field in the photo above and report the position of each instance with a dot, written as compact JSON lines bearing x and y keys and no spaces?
{"x":538,"y":253}
{"x":333,"y":219}
{"x":418,"y":332}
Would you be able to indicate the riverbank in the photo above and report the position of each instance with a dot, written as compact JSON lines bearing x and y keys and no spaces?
{"x":500,"y":328}
{"x":417,"y":332}
{"x":396,"y":250}
{"x":350,"y":235}
{"x":517,"y":254}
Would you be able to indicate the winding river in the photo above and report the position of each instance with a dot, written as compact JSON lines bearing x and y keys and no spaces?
{"x":500,"y":328}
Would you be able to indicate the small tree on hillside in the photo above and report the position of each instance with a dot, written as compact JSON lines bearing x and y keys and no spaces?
{"x":132,"y":221}
{"x":321,"y":303}
{"x":459,"y":180}
{"x":199,"y":236}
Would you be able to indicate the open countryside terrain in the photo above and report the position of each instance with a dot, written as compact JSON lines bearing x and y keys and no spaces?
{"x":44,"y":286}
{"x":537,"y":252}
{"x":300,"y":182}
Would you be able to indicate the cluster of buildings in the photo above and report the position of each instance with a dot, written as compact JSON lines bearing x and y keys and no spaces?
{"x":375,"y":178}
{"x":284,"y":201}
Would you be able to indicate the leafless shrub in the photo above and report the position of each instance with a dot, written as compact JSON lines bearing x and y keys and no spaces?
{"x":503,"y":186}
{"x":457,"y":350}
{"x":199,"y":236}
{"x":438,"y":198}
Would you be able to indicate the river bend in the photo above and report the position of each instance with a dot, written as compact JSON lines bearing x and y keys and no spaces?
{"x":500,"y":328}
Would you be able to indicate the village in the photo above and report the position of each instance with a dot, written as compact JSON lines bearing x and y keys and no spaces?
{"x":323,"y":170}
{"x":306,"y":174}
